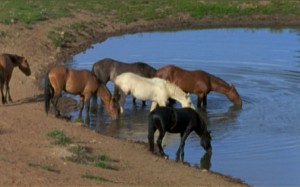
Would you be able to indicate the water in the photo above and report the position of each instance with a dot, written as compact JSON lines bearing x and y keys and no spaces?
{"x":260,"y":144}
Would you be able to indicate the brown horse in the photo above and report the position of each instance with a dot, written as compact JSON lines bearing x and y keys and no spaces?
{"x":199,"y":82}
{"x":108,"y":69}
{"x":7,"y":64}
{"x":79,"y":82}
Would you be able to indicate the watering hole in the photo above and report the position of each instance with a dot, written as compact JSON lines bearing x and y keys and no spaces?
{"x":259,"y":143}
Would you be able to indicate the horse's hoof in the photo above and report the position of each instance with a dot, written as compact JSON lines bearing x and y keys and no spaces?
{"x":166,"y":157}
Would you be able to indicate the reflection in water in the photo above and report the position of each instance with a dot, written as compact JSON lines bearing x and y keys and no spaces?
{"x":250,"y":143}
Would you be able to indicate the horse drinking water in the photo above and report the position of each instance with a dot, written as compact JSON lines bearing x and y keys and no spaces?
{"x":183,"y":121}
{"x":199,"y":82}
{"x":155,"y":89}
{"x":108,"y":69}
{"x":7,"y":64}
{"x":79,"y":82}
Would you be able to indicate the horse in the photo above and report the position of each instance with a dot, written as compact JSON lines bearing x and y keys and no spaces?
{"x":200,"y":83}
{"x":155,"y":89}
{"x":108,"y":69}
{"x":177,"y":120}
{"x":7,"y":64}
{"x":77,"y":82}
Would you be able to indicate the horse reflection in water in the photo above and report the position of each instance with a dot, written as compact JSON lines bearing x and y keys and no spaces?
{"x":78,"y":82}
{"x":183,"y":121}
{"x":155,"y":89}
{"x":108,"y":69}
{"x":199,"y":82}
{"x":7,"y":64}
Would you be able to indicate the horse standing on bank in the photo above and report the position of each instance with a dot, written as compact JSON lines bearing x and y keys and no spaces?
{"x":108,"y":69}
{"x":7,"y":64}
{"x":78,"y":82}
{"x":183,"y":121}
{"x":199,"y":82}
{"x":155,"y":89}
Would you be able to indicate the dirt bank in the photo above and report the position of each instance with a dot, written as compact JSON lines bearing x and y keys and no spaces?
{"x":27,"y":156}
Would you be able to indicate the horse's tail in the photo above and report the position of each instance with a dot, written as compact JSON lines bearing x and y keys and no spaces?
{"x":48,"y":93}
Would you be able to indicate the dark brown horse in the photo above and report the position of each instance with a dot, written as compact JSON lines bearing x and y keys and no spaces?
{"x":108,"y":69}
{"x":7,"y":64}
{"x":199,"y":82}
{"x":79,"y":82}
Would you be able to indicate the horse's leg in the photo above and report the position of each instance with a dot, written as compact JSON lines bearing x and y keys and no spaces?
{"x":122,"y":101}
{"x":201,"y":98}
{"x":87,"y":106}
{"x":180,"y":151}
{"x":151,"y":131}
{"x":133,"y":100}
{"x":144,"y":103}
{"x":81,"y":105}
{"x":8,"y":97}
{"x":205,"y":100}
{"x":159,"y":142}
{"x":2,"y":94}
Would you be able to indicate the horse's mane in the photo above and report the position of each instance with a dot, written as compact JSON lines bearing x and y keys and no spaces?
{"x":13,"y":58}
{"x":173,"y":88}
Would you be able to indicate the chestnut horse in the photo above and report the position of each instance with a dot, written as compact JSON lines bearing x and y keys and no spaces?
{"x":108,"y":69}
{"x":79,"y":82}
{"x":199,"y":82}
{"x":181,"y":120}
{"x":155,"y":89}
{"x":7,"y":64}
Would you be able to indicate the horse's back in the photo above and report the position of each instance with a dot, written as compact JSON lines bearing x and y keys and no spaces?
{"x":82,"y":81}
{"x":174,"y":120}
{"x":108,"y":69}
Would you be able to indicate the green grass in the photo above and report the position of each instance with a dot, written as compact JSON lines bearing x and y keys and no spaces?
{"x":45,"y":167}
{"x":32,"y":11}
{"x":93,"y":177}
{"x":80,"y":155}
{"x":59,"y":137}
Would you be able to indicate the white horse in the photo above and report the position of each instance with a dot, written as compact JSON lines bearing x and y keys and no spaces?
{"x":155,"y":89}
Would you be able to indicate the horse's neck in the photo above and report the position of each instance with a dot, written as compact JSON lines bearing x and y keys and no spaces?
{"x":14,"y":59}
{"x":219,"y":85}
{"x":104,"y":93}
{"x":174,"y":91}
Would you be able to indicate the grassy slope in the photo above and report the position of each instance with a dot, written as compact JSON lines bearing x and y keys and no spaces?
{"x":31,"y":11}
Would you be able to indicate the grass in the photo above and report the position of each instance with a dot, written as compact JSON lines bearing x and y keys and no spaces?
{"x":59,"y":137}
{"x":45,"y":167}
{"x":81,"y":155}
{"x":32,"y":11}
{"x":93,"y":177}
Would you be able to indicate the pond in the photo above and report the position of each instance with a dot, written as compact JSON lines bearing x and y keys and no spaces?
{"x":260,"y":143}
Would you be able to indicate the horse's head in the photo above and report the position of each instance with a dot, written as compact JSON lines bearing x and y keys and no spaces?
{"x":24,"y":66}
{"x":234,"y":96}
{"x":205,"y":140}
{"x":113,"y":109}
{"x":187,"y":102}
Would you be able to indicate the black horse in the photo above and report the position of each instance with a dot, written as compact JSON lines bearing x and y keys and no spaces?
{"x":183,"y":121}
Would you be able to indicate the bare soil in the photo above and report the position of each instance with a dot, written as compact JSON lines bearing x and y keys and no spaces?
{"x":26,"y":151}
